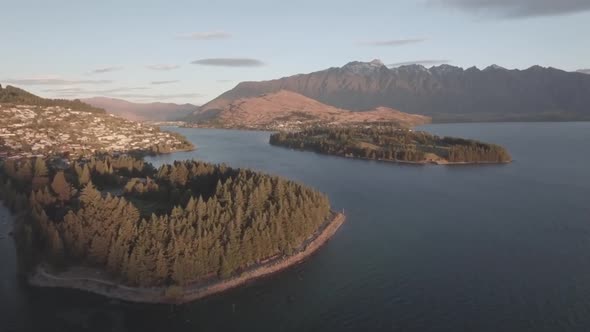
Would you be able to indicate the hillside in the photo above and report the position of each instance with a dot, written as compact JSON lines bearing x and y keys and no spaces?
{"x":289,"y":110}
{"x":445,"y":93}
{"x":14,"y":95}
{"x":142,"y":111}
{"x":34,"y":126}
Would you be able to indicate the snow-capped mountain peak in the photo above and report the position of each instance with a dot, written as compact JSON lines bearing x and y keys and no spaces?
{"x":364,"y":68}
{"x":494,"y":67}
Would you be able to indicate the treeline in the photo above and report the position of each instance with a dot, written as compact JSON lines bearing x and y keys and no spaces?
{"x":391,"y":144}
{"x":218,"y":220}
{"x":13,"y":95}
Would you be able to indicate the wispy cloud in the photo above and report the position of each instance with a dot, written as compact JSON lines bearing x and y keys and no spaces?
{"x":122,"y":89}
{"x":419,"y":62}
{"x":119,"y":92}
{"x":64,"y":90}
{"x":79,"y":91}
{"x":106,"y":70}
{"x":206,"y":35}
{"x":229,"y":62}
{"x":158,"y":96}
{"x":393,"y":42}
{"x":162,"y":67}
{"x":52,"y":81}
{"x":164,"y":82}
{"x":584,"y":71}
{"x":517,"y":8}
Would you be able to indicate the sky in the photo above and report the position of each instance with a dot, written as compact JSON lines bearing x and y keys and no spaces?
{"x":192,"y":51}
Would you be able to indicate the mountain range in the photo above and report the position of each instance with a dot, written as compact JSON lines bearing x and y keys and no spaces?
{"x":446,"y":93}
{"x":142,"y":111}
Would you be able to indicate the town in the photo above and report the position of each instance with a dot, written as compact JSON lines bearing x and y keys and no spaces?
{"x":28,"y":131}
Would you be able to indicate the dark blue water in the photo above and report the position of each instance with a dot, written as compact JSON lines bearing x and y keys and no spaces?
{"x":425,"y":248}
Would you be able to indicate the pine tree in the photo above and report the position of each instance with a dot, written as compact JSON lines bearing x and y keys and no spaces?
{"x":61,"y":187}
{"x":162,"y":269}
{"x":40,"y":168}
{"x":224,"y":268}
{"x":178,"y":271}
{"x":25,"y":171}
{"x":84,"y":177}
{"x":99,"y":248}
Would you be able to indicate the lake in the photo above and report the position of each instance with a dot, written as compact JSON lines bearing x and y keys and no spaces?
{"x":424,"y":248}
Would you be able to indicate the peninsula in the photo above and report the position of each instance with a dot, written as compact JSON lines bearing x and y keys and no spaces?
{"x":393,"y":144}
{"x":116,"y":226}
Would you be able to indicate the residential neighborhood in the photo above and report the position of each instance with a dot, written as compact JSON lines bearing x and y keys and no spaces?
{"x":27,"y":131}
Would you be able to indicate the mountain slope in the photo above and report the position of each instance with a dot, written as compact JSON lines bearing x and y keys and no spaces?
{"x":14,"y":95}
{"x":446,"y":93}
{"x":142,"y":111}
{"x":286,"y":109}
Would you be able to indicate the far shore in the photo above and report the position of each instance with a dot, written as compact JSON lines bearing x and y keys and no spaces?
{"x":442,"y":162}
{"x":92,"y":280}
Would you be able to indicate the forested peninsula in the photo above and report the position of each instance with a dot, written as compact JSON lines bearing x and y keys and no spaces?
{"x":393,"y":144}
{"x":117,"y":226}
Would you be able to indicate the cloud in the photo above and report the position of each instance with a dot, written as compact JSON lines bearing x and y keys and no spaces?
{"x":116,"y":90}
{"x":419,"y":62}
{"x":393,"y":42}
{"x":120,"y":92}
{"x":229,"y":62}
{"x":162,"y":67}
{"x":517,"y":8}
{"x":53,"y":81}
{"x":79,"y":91}
{"x":105,"y":70}
{"x":164,"y":82}
{"x":207,"y":35}
{"x":224,"y":81}
{"x":584,"y":71}
{"x":65,"y":90}
{"x":157,"y":96}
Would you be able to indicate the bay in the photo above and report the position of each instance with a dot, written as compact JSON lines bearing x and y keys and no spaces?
{"x":424,"y":248}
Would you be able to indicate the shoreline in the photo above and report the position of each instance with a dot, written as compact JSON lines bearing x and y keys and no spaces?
{"x":158,"y":295}
{"x":431,"y":162}
{"x":140,"y":154}
{"x":403,"y":162}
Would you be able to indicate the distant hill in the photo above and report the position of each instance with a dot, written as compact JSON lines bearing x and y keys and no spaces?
{"x":286,"y":109}
{"x":584,"y":71}
{"x":445,"y":93}
{"x":142,"y":111}
{"x":14,"y":95}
